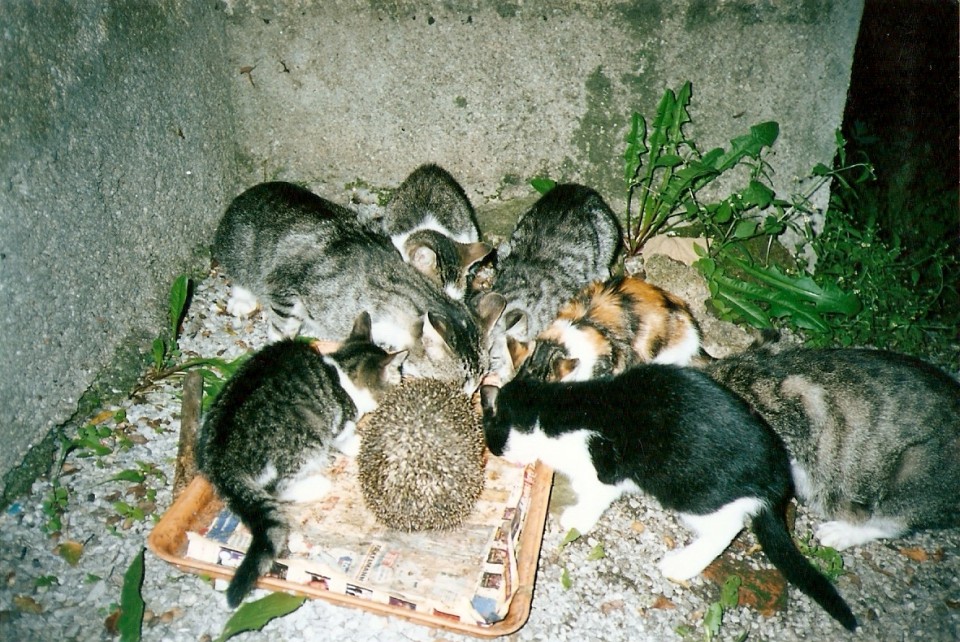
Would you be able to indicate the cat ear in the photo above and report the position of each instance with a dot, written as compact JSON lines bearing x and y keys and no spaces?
{"x":470,"y":253}
{"x":424,"y":259}
{"x":562,"y":367}
{"x":488,"y":399}
{"x":391,"y":364}
{"x":434,"y":336}
{"x":516,"y":322}
{"x":518,"y":350}
{"x":361,"y":328}
{"x":489,"y":307}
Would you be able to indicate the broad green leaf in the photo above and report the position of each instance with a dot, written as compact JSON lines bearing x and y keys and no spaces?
{"x":821,"y":170}
{"x":596,"y":553}
{"x":178,"y":302}
{"x":723,"y":212}
{"x":749,"y":145}
{"x":130,"y":622}
{"x":543,"y":185}
{"x":159,"y":352}
{"x":730,"y":592}
{"x":669,"y":160}
{"x":130,"y":475}
{"x":713,"y":619}
{"x":635,"y":146}
{"x":757,"y":194}
{"x":565,"y":581}
{"x":745,"y":229}
{"x":253,"y":616}
{"x":572,"y":535}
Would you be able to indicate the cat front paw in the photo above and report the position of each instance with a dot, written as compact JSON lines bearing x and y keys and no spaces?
{"x":242,"y":302}
{"x":840,"y":535}
{"x":680,"y":566}
{"x":579,"y":518}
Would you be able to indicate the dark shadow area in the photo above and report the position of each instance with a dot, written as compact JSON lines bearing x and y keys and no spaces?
{"x":902,"y":114}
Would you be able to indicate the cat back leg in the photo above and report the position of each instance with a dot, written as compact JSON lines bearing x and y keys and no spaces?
{"x":714,"y":532}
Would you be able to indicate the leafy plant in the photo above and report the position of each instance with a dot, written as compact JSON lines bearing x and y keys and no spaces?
{"x":166,"y":348}
{"x":666,"y":176}
{"x":729,"y":599}
{"x":827,"y":559}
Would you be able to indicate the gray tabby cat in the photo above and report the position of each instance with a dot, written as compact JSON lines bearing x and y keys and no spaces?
{"x":317,"y":267}
{"x":430,"y":220}
{"x":874,"y":436}
{"x":567,"y":239}
{"x":267,"y":437}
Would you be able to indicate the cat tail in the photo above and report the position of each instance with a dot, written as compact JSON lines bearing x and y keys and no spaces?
{"x":268,"y":530}
{"x":771,"y":531}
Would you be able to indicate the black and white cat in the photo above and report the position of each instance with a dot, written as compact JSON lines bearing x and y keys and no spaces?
{"x":316,"y":267}
{"x":566,"y":240}
{"x":670,"y":432}
{"x":874,"y":436}
{"x":268,"y":435}
{"x":431,"y":222}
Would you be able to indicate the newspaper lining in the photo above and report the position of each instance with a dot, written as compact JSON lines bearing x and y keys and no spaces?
{"x":467,"y":575}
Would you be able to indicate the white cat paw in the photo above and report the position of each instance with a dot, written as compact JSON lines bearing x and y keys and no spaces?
{"x":579,"y":518}
{"x":242,"y":303}
{"x":680,"y":566}
{"x":841,"y":535}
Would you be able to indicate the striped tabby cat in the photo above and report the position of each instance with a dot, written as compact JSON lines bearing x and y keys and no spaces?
{"x":268,"y":435}
{"x":569,"y":238}
{"x":874,"y":436}
{"x":317,"y":267}
{"x":432,"y":224}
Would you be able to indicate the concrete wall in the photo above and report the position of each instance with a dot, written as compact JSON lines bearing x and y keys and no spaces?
{"x":498,"y":92}
{"x":116,"y":157}
{"x":127,"y":126}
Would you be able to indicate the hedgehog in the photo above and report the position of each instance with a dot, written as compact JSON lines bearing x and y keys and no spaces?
{"x":421,"y":458}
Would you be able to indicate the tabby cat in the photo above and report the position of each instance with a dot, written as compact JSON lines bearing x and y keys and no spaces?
{"x":685,"y":440}
{"x":317,"y":267}
{"x":874,"y":436}
{"x":267,"y":437}
{"x":567,"y":239}
{"x":608,"y":327}
{"x":430,"y":220}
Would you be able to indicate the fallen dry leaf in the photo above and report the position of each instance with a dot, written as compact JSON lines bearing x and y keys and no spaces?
{"x":102,"y":416}
{"x":613,"y":605}
{"x":663,"y":603}
{"x":638,"y":527}
{"x":916,"y":554}
{"x":670,"y":542}
{"x":26,"y":604}
{"x":71,"y":551}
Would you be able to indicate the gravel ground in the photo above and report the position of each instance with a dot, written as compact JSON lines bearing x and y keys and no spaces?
{"x":899,"y":590}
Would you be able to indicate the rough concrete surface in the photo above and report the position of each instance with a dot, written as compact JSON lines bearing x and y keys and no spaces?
{"x":126,"y":128}
{"x":115,"y":160}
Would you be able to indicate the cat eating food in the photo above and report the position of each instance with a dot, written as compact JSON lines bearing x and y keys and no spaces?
{"x":315,"y":266}
{"x":608,"y":327}
{"x":874,"y":436}
{"x":687,"y":441}
{"x":267,"y":437}
{"x":567,"y":239}
{"x":431,"y":222}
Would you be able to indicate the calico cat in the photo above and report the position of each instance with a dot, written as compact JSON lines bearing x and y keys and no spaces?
{"x":567,"y":239}
{"x":431,"y":222}
{"x":687,"y":441}
{"x":316,"y":267}
{"x":874,"y":436}
{"x":267,"y":437}
{"x":608,"y":327}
